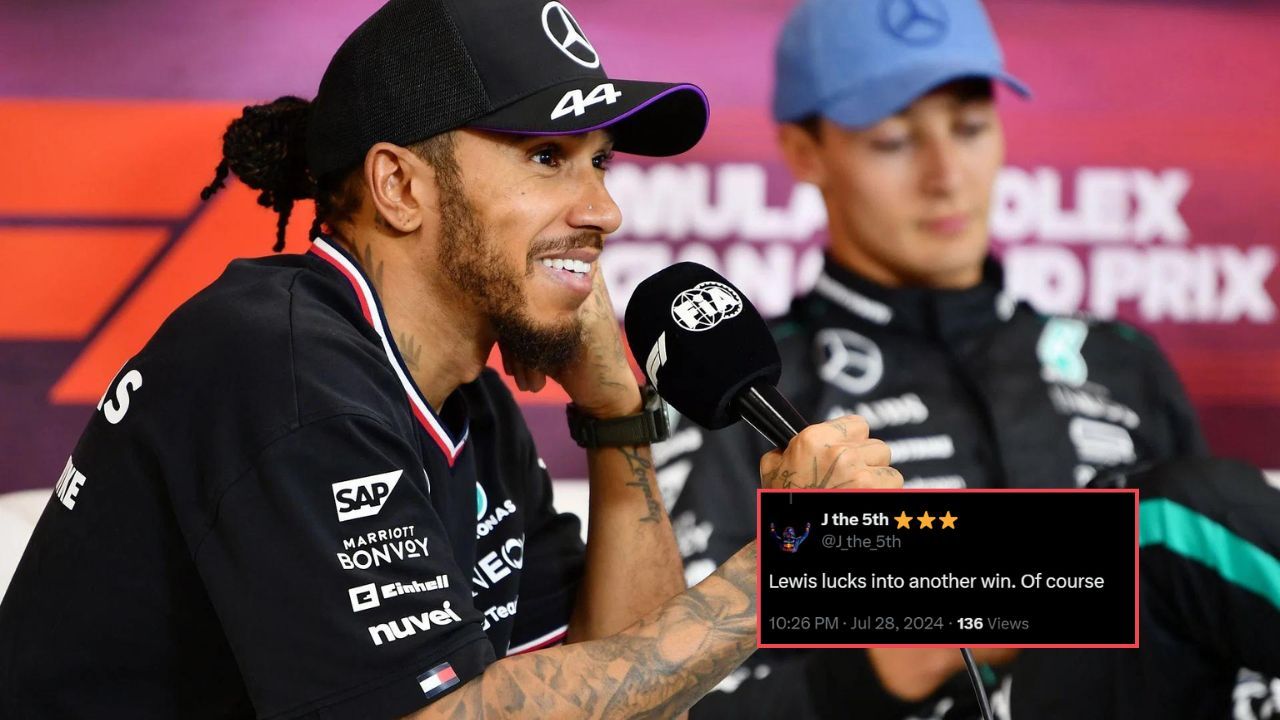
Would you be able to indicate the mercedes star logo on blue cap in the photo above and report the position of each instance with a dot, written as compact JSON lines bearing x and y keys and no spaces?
{"x":916,"y":22}
{"x":856,"y":62}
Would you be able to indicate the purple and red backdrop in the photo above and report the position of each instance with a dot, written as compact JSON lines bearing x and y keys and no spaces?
{"x":1142,"y":182}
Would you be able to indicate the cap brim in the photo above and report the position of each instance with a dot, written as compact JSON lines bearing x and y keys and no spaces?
{"x":645,"y":118}
{"x":893,"y":93}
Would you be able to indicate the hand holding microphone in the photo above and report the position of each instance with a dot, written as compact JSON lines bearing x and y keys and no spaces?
{"x":710,"y":355}
{"x":834,"y":455}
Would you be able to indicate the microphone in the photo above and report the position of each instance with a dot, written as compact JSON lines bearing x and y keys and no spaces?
{"x":707,"y":351}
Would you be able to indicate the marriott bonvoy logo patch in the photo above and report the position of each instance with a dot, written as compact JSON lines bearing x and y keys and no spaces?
{"x":364,"y":497}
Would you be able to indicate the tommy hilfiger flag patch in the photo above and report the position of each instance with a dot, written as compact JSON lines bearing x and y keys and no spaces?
{"x":437,"y":680}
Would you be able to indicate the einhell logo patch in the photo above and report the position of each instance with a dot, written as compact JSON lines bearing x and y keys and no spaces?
{"x":363,"y":497}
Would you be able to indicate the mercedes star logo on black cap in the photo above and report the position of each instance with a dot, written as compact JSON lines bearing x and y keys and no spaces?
{"x":417,"y":68}
{"x":565,"y":32}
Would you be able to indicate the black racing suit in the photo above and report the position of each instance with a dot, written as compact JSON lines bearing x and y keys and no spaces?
{"x":970,"y":389}
{"x":265,"y":518}
{"x":1210,"y":602}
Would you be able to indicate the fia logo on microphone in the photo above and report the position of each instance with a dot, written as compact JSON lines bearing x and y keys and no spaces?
{"x":705,"y":306}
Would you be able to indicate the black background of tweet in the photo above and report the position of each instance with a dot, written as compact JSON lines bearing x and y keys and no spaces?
{"x":1070,"y":533}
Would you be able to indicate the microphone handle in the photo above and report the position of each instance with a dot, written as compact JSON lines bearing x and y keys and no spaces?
{"x":770,"y":414}
{"x":766,"y":410}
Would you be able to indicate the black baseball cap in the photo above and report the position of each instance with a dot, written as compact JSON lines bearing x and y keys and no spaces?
{"x":417,"y":68}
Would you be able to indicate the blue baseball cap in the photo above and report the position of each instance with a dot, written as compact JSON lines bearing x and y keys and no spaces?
{"x":857,"y":62}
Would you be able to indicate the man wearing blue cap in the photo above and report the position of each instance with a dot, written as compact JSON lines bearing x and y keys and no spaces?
{"x":887,"y":106}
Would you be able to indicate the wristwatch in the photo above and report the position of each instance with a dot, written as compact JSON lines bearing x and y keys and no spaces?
{"x":650,"y":425}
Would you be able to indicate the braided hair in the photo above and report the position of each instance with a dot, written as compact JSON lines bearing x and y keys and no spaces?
{"x":266,"y":148}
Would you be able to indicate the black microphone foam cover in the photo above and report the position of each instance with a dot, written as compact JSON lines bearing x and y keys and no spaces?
{"x":700,"y":341}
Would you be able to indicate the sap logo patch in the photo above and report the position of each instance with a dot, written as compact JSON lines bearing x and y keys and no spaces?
{"x":363,"y":497}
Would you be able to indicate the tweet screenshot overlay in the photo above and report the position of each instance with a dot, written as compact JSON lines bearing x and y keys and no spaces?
{"x":1014,"y":568}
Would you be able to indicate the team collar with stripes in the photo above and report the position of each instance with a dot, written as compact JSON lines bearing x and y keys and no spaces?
{"x":373,"y":313}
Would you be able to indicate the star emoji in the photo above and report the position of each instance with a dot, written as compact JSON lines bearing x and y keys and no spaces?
{"x":926,"y":520}
{"x":904,"y":520}
{"x":948,"y":521}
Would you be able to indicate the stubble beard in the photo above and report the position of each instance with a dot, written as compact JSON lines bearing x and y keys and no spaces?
{"x":472,"y":263}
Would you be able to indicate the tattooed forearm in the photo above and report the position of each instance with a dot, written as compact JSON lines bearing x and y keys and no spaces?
{"x":657,"y":668}
{"x":629,"y":537}
{"x":640,"y":464}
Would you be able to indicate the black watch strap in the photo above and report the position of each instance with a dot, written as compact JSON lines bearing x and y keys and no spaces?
{"x":650,"y":425}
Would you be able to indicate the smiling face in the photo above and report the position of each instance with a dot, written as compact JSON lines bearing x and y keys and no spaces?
{"x":908,"y":199}
{"x":522,"y":224}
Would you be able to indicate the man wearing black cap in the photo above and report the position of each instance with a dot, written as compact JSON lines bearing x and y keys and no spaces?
{"x":306,"y":496}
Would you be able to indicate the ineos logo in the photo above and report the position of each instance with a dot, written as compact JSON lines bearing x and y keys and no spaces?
{"x":567,"y":35}
{"x":915,"y":22}
{"x":705,"y":306}
{"x":848,"y":360}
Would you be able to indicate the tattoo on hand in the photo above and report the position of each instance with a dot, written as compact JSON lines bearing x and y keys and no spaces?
{"x":831,"y":470}
{"x":780,"y":476}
